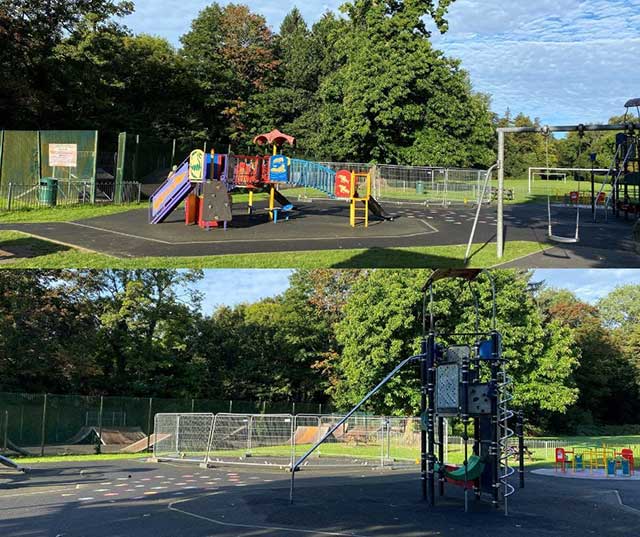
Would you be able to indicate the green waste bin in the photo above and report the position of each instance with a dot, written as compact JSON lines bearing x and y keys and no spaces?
{"x":420,"y":188}
{"x":48,"y":194}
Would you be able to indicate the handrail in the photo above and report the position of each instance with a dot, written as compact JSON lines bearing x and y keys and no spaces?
{"x":296,"y":465}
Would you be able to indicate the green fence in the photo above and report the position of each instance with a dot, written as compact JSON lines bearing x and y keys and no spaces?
{"x":39,"y":424}
{"x":28,"y":156}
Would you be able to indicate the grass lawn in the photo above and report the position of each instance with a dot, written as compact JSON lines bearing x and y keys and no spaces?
{"x":399,"y":452}
{"x":66,"y":214}
{"x":79,"y":458}
{"x":25,"y":251}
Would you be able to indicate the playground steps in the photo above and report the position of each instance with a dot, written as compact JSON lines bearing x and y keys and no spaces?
{"x":171,"y":194}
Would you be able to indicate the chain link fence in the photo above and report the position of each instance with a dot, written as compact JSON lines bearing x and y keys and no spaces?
{"x":423,"y":185}
{"x":280,"y":439}
{"x":45,"y":424}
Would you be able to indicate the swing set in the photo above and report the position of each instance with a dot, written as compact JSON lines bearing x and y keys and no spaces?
{"x":618,"y":171}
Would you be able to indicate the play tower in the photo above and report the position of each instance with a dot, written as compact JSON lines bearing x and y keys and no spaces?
{"x":463,"y":375}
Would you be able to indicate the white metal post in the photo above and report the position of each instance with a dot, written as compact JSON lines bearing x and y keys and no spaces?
{"x":500,"y":235}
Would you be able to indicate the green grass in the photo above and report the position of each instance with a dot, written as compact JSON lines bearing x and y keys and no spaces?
{"x":80,"y":458}
{"x":65,"y":214}
{"x":31,"y":252}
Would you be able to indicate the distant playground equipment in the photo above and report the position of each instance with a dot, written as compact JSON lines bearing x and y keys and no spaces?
{"x":596,"y":460}
{"x":464,"y":378}
{"x":205,"y":182}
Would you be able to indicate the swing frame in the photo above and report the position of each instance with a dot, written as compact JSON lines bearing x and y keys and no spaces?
{"x":502,"y":134}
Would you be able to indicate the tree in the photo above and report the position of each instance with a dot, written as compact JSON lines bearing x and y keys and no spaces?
{"x":144,"y":320}
{"x":383,"y":325}
{"x":621,"y":307}
{"x":524,"y":151}
{"x":394,"y":98}
{"x":229,"y":56}
{"x":605,"y":379}
{"x":30,"y":31}
{"x":47,"y":339}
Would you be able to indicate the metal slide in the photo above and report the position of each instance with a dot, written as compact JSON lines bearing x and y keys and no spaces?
{"x":377,"y":210}
{"x":329,"y":433}
{"x":4,"y":461}
{"x":171,"y":194}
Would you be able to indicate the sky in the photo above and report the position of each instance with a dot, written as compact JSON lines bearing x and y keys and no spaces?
{"x":563,"y":61}
{"x":232,"y":287}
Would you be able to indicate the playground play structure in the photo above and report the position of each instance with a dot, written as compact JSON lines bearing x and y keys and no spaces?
{"x":463,"y":376}
{"x":205,"y":183}
{"x":600,"y":460}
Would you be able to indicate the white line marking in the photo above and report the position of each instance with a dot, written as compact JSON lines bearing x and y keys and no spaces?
{"x":250,"y":526}
{"x":241,"y":241}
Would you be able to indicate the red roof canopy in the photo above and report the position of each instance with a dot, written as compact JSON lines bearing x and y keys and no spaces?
{"x":274,"y":137}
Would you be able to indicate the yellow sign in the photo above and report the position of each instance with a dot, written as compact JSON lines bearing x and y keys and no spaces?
{"x":196,"y":166}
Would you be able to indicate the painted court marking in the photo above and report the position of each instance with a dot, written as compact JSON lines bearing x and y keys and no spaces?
{"x":431,"y":231}
{"x":172,"y":507}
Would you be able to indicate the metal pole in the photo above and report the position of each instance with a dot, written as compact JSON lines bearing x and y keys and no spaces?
{"x":339,"y":424}
{"x":500,"y":234}
{"x":44,"y":425}
{"x":6,"y":429}
{"x":149,"y":431}
{"x":423,"y":414}
{"x":100,"y":424}
{"x":173,"y":153}
{"x":430,"y":372}
{"x":520,"y":433}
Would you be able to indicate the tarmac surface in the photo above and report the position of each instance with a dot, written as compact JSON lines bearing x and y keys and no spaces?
{"x":324,"y":225}
{"x":135,"y":498}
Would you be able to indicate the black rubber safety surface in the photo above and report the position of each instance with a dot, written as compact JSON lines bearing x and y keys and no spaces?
{"x":131,"y":498}
{"x":324,"y":225}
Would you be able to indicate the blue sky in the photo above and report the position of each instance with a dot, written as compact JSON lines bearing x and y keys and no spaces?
{"x":564,"y":61}
{"x":233,"y":287}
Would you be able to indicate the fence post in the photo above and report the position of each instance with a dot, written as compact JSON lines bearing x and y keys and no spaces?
{"x":178,"y":435}
{"x":293,"y":408}
{"x":320,"y":408}
{"x":230,"y":406}
{"x":149,"y":424}
{"x":6,"y":429}
{"x":193,"y":405}
{"x":100,"y":425}
{"x":139,"y":192}
{"x":9,"y":196}
{"x":44,"y":425}
{"x":173,"y":154}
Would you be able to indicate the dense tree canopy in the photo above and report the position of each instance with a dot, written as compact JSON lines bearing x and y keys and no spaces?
{"x":328,"y":339}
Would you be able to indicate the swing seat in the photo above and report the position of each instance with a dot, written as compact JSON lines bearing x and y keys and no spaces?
{"x":563,"y":240}
{"x":475,"y":467}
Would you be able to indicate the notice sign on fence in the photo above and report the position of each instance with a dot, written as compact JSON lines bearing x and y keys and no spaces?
{"x":63,"y":155}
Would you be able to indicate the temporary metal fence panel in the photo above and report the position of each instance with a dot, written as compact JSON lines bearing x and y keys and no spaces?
{"x":429,"y":185}
{"x":252,"y":439}
{"x":183,"y":437}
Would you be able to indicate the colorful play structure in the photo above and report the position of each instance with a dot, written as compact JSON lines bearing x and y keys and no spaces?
{"x":604,"y":460}
{"x":462,"y":376}
{"x":206,"y":183}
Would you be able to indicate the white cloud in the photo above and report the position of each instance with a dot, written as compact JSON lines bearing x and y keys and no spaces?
{"x":564,"y":61}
